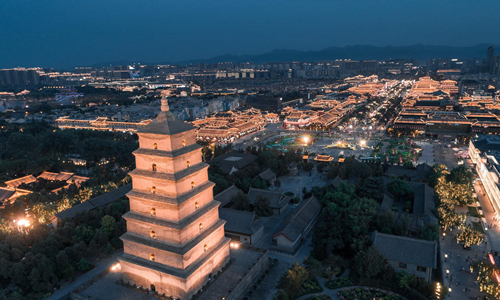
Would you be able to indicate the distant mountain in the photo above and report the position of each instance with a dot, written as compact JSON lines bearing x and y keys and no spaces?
{"x":356,"y":52}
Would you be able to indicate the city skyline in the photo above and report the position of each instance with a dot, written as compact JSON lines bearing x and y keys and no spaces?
{"x":55,"y":36}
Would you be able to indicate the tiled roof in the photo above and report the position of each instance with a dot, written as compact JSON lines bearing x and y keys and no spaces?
{"x":22,"y":180}
{"x":98,"y":201}
{"x":109,"y":197}
{"x":424,"y":198}
{"x":276,"y":198}
{"x":238,"y":221}
{"x":233,"y":159}
{"x":166,"y":123}
{"x":267,"y":174}
{"x":227,"y":195}
{"x":5,"y":194}
{"x":62,"y":176}
{"x":300,"y":219}
{"x":407,"y":250}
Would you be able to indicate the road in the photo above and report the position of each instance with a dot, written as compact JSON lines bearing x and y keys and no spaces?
{"x":99,"y":268}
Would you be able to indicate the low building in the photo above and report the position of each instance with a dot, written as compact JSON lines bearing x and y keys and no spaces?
{"x":91,"y":204}
{"x":233,"y":161}
{"x":62,"y":176}
{"x":14,"y":183}
{"x":277,"y":201}
{"x":295,"y":228}
{"x":101,"y":123}
{"x":269,"y":176}
{"x":272,"y":118}
{"x":9,"y":195}
{"x":413,"y":256}
{"x":323,"y":158}
{"x":244,"y":226}
{"x":226,"y":196}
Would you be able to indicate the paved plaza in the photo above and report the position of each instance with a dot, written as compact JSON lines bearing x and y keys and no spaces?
{"x":459,"y":259}
{"x":108,"y":288}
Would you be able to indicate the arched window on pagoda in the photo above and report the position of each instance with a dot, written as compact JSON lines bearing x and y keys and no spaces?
{"x":196,"y":205}
{"x":205,"y":248}
{"x":153,"y":211}
{"x":183,"y":143}
{"x":152,"y":257}
{"x":153,"y":189}
{"x":188,"y":163}
{"x":192,"y":184}
{"x":201,"y":226}
{"x":152,"y":234}
{"x":153,"y":167}
{"x":155,"y":146}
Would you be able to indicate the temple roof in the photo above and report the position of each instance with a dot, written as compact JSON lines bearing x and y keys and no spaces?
{"x":166,"y":123}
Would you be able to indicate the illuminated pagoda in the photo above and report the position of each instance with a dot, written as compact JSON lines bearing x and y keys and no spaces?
{"x":175,"y":241}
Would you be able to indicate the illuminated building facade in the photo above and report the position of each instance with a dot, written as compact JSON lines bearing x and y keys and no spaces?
{"x":175,"y":240}
{"x":101,"y":123}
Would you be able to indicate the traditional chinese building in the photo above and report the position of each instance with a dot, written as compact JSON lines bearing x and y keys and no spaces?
{"x":175,"y":240}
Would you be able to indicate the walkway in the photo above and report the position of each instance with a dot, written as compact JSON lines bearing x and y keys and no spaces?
{"x":331,"y":293}
{"x":459,"y":259}
{"x":427,"y":153}
{"x":100,"y":267}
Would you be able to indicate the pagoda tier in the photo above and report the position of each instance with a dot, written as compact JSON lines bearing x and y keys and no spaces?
{"x":175,"y":239}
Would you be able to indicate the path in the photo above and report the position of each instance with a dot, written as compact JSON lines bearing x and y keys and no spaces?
{"x":332,"y":293}
{"x":427,"y":153}
{"x":99,"y":268}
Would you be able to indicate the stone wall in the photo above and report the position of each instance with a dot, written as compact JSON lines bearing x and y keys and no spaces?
{"x":259,"y":267}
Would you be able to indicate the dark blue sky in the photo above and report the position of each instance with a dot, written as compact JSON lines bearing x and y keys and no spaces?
{"x":61,"y":33}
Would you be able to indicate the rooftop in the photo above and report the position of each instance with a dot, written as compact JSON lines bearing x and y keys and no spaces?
{"x":407,"y":250}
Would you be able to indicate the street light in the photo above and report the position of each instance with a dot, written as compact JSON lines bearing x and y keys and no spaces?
{"x":445,"y":257}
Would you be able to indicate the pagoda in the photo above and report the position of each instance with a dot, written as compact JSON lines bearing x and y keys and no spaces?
{"x":175,"y":241}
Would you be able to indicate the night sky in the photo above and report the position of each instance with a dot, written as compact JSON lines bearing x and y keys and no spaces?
{"x":64,"y":33}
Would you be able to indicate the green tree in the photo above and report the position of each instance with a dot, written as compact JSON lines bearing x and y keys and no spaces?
{"x":293,"y":279}
{"x":83,"y":265}
{"x":469,"y":236}
{"x":108,"y":225}
{"x":401,"y":190}
{"x":461,"y":175}
{"x":241,"y":202}
{"x":262,"y":207}
{"x":308,"y":166}
{"x":368,"y":264}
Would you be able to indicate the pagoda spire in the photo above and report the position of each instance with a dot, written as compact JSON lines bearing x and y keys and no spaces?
{"x":164,"y":104}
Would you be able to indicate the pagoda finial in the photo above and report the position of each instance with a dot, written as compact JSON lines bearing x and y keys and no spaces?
{"x":164,"y":104}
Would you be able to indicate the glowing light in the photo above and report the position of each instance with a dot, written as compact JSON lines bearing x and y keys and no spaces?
{"x":447,"y":271}
{"x":115,"y":267}
{"x":23,"y":222}
{"x":306,"y":139}
{"x":234,"y":245}
{"x":492,"y":260}
{"x":362,"y":143}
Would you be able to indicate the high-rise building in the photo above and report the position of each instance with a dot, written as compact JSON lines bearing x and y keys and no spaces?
{"x":490,"y":57}
{"x":175,"y":240}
